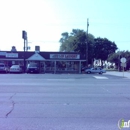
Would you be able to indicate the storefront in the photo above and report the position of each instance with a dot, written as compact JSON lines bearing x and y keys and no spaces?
{"x":49,"y":62}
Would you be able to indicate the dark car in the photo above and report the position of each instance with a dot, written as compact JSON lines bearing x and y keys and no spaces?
{"x":4,"y":68}
{"x":33,"y":68}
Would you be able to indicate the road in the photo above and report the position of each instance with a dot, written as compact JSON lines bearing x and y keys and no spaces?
{"x":63,"y":101}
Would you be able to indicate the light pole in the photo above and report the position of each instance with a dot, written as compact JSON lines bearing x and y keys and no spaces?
{"x":87,"y":44}
{"x":24,"y":36}
{"x":118,"y":58}
{"x":119,"y":61}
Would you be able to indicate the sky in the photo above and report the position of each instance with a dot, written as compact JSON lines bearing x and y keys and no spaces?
{"x":45,"y":21}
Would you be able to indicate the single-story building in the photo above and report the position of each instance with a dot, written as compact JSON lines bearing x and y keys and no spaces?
{"x":54,"y":62}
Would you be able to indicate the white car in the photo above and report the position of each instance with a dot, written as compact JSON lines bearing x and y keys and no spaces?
{"x":16,"y":69}
{"x":4,"y":68}
{"x":95,"y":70}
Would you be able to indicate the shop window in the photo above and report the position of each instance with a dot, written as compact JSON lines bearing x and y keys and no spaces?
{"x":67,"y":66}
{"x":13,"y":62}
{"x":49,"y":66}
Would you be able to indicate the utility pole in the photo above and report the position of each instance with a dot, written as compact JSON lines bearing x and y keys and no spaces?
{"x":119,"y":56}
{"x":27,"y":44}
{"x":24,"y":57}
{"x":24,"y":36}
{"x":87,"y":44}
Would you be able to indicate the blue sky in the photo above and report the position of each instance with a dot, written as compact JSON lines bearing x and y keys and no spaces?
{"x":45,"y":20}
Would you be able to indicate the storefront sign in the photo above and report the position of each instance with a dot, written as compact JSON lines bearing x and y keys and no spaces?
{"x":12,"y":55}
{"x":2,"y":53}
{"x":64,"y":56}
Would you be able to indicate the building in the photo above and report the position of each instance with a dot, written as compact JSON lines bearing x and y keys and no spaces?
{"x":49,"y":62}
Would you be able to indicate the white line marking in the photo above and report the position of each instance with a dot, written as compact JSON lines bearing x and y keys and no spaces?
{"x":60,"y":79}
{"x":100,"y":77}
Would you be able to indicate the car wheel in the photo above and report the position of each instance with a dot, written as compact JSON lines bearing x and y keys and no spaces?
{"x":88,"y":72}
{"x":100,"y":73}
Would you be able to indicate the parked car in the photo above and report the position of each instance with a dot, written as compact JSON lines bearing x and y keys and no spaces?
{"x":95,"y":70}
{"x":33,"y":68}
{"x":4,"y":68}
{"x":16,"y":69}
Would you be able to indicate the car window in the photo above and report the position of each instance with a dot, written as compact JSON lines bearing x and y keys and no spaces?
{"x":33,"y":65}
{"x":2,"y":65}
{"x":15,"y":66}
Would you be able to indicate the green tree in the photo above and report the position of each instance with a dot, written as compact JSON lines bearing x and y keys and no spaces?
{"x":98,"y":48}
{"x":126,"y":54}
{"x":115,"y":58}
{"x":103,"y":48}
{"x":63,"y":40}
{"x":76,"y":41}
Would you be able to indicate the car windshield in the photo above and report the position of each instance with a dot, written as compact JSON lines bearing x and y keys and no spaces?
{"x":1,"y":65}
{"x":15,"y":66}
{"x":32,"y":65}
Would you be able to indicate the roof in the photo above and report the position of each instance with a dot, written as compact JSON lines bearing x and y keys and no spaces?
{"x":36,"y":57}
{"x":29,"y":55}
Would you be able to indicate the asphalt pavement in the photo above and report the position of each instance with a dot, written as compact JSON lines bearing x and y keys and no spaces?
{"x":63,"y":101}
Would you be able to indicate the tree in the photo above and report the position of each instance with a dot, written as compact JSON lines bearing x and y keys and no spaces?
{"x":63,"y":41}
{"x":98,"y":48}
{"x":76,"y":41}
{"x":103,"y":48}
{"x":115,"y":58}
{"x":126,"y":54}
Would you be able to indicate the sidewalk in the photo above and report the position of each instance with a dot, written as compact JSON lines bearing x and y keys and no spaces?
{"x":116,"y":73}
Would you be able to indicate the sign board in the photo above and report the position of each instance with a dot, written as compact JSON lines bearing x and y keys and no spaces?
{"x":24,"y":35}
{"x":123,"y":60}
{"x":2,"y":53}
{"x":12,"y":55}
{"x":64,"y":56}
{"x":123,"y":64}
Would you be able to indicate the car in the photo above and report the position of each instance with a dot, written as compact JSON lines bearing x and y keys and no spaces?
{"x":4,"y":68}
{"x":95,"y":70}
{"x":16,"y":69}
{"x":33,"y":68}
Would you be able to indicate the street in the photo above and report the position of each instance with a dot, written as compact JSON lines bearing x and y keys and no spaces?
{"x":63,"y":101}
